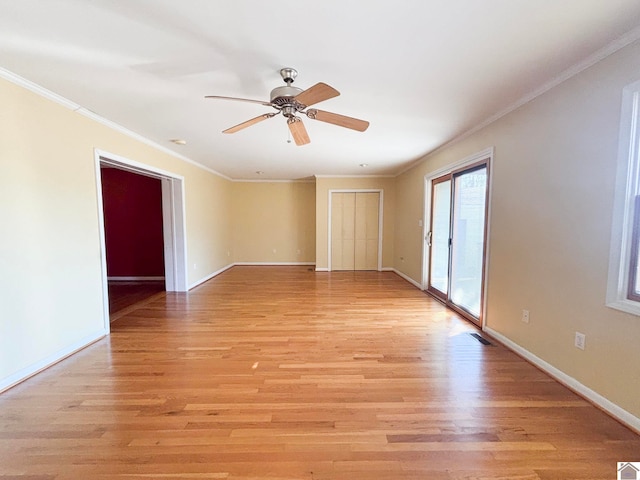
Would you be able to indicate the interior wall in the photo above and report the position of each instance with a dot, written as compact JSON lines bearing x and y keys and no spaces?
{"x":326,"y":184}
{"x":132,"y":206}
{"x":51,"y":278}
{"x":551,"y":211}
{"x":274,"y":222}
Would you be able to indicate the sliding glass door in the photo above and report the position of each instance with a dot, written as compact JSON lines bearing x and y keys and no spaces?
{"x":439,"y":235}
{"x":457,"y":237}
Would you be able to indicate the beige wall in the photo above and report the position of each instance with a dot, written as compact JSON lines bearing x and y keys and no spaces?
{"x":51,"y":279}
{"x":325,"y":184}
{"x":274,"y":222}
{"x":551,"y":211}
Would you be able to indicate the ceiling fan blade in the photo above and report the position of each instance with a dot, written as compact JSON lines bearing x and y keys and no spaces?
{"x":218,"y":97}
{"x":248,"y":123}
{"x":336,"y":119}
{"x":298,"y":132}
{"x":318,"y":93}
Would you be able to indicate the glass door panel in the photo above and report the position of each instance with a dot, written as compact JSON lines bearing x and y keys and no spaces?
{"x":439,"y":237}
{"x":468,"y":239}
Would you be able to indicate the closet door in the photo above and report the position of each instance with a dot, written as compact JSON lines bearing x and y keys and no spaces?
{"x":343,"y":211}
{"x":355,"y":230}
{"x":366,"y":230}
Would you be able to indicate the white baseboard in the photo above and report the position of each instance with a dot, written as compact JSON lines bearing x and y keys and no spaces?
{"x":209,"y":277}
{"x":272,"y":264}
{"x":134,"y":279}
{"x":223,"y":269}
{"x":608,"y":406}
{"x":322,"y":269}
{"x":27,"y":372}
{"x":407,"y":278}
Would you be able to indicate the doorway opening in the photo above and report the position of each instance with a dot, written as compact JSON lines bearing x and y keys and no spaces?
{"x":455,"y":248}
{"x":161,"y":264}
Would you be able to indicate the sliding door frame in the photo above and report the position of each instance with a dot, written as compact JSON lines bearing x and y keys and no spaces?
{"x":484,"y":156}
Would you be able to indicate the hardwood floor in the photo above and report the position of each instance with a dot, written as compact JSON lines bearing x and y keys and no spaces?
{"x":124,"y":295}
{"x":284,"y":373}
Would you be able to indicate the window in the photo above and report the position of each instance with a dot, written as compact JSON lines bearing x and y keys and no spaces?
{"x":623,"y":292}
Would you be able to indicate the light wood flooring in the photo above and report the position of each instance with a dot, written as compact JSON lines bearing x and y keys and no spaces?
{"x":282,"y":373}
{"x":125,"y":295}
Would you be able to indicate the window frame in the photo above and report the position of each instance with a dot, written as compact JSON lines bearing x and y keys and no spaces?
{"x":625,"y":231}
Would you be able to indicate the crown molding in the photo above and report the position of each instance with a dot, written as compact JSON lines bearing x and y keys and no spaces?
{"x":266,"y":180}
{"x":609,"y":49}
{"x":355,"y":176}
{"x":60,"y":100}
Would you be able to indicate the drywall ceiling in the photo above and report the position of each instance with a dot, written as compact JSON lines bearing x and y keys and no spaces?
{"x":422,"y":72}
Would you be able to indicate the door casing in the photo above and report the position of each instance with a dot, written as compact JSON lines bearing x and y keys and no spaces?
{"x":173,"y":222}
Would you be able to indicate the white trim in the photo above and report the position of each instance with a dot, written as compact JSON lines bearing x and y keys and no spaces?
{"x":380,"y":191}
{"x":103,"y":245}
{"x":355,"y":176}
{"x":607,"y":405}
{"x":426,"y":222}
{"x":38,"y":90}
{"x":35,"y":368}
{"x":209,"y":277}
{"x":591,"y":60}
{"x":224,"y":269}
{"x":626,"y":188}
{"x":380,"y":227}
{"x":265,"y":180}
{"x":272,"y":264}
{"x":124,"y":163}
{"x":486,"y":154}
{"x":407,"y":278}
{"x":168,"y":234}
{"x":175,"y":221}
{"x":60,"y":100}
{"x":322,"y":269}
{"x":137,"y":278}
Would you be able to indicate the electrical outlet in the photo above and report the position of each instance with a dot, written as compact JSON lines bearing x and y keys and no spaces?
{"x":525,"y":316}
{"x":580,"y":340}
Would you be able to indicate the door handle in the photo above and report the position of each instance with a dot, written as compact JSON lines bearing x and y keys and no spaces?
{"x":429,"y":234}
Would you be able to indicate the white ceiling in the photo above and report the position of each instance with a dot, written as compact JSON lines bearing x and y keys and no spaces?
{"x":423,"y":72}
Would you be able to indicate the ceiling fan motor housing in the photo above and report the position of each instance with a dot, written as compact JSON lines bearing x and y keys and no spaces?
{"x":283,"y":96}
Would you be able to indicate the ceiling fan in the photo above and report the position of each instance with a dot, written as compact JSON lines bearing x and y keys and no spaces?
{"x":291,"y":101}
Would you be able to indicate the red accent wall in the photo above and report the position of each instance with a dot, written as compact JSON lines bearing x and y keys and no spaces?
{"x":133,"y":223}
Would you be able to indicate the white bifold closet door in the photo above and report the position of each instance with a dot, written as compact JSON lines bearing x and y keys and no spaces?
{"x":355,"y":230}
